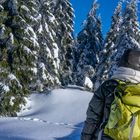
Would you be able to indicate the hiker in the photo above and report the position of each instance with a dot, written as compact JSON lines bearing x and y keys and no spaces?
{"x":99,"y":109}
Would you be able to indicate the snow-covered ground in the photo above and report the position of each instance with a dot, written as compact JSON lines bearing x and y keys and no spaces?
{"x":58,"y":115}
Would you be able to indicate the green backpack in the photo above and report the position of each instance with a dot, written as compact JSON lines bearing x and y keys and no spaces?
{"x":124,"y":118}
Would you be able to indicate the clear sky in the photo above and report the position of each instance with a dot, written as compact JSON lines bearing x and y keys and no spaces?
{"x":82,"y":8}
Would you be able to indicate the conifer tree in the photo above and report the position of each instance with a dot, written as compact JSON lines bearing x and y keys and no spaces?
{"x":108,"y":47}
{"x":128,"y":36}
{"x":19,"y":53}
{"x":35,"y":48}
{"x":48,"y":60}
{"x":63,"y":12}
{"x":89,"y":45}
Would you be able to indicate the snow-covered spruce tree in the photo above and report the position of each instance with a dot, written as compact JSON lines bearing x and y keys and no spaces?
{"x":18,"y":56}
{"x":29,"y":10}
{"x":52,"y":35}
{"x":101,"y":71}
{"x":89,"y":45}
{"x":129,"y":34}
{"x":48,"y":60}
{"x":63,"y":13}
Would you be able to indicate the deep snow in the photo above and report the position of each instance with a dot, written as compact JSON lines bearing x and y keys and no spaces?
{"x":57,"y":115}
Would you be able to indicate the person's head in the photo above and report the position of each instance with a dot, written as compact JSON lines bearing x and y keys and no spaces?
{"x":131,"y":59}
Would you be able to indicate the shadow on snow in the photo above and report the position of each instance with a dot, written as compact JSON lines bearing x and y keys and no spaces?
{"x":75,"y":135}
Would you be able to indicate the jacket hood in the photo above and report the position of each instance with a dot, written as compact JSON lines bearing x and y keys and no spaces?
{"x":127,"y":74}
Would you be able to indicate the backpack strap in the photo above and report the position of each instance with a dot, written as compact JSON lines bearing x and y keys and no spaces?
{"x":132,"y":127}
{"x":133,"y":124}
{"x":100,"y":134}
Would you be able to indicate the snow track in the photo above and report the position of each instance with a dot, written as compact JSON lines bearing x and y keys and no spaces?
{"x":47,"y":122}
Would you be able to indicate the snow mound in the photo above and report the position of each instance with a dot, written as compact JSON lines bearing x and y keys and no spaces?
{"x":88,"y":83}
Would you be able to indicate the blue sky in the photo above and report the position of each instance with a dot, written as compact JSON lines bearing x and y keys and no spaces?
{"x":82,"y":8}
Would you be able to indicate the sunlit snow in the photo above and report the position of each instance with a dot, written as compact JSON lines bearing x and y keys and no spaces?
{"x":57,"y":115}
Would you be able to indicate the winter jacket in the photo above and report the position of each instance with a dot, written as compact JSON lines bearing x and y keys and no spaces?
{"x":99,"y":108}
